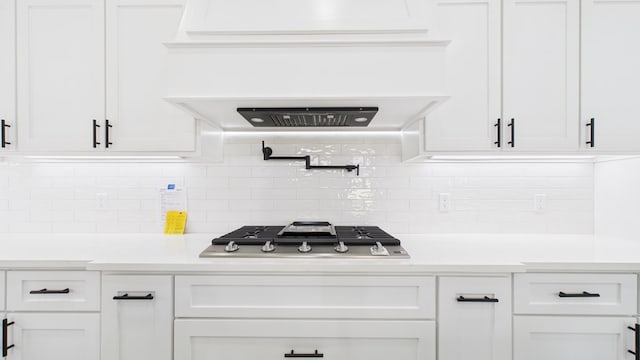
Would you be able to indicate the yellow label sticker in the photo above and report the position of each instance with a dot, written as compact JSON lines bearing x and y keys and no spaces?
{"x":175,"y":222}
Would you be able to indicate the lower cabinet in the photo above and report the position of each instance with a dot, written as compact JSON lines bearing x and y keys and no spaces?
{"x":474,"y":318}
{"x":205,"y":339}
{"x":563,"y":337}
{"x":45,"y":336}
{"x":137,"y":317}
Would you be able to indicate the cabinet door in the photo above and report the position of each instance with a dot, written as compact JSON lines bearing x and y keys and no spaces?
{"x":483,"y":327}
{"x":60,"y":46}
{"x":466,"y":121}
{"x":272,"y":339}
{"x":585,"y":338}
{"x":46,"y":336}
{"x":610,"y":75}
{"x":137,"y":329}
{"x":541,"y":70}
{"x":136,"y":77}
{"x":8,"y":73}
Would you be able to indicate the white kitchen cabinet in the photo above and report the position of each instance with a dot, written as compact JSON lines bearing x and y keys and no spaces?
{"x":2,"y":290}
{"x":560,"y":337}
{"x":7,"y":75}
{"x":45,"y":336}
{"x":136,"y":77}
{"x":366,"y":297}
{"x":466,"y":120}
{"x":610,"y":77}
{"x":275,"y":339}
{"x":474,"y":318}
{"x":60,"y":52}
{"x":137,"y":317}
{"x":541,"y":75}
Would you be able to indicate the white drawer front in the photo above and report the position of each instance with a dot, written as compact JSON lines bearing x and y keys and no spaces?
{"x":575,"y":294}
{"x":2,"y":287}
{"x":47,"y":291}
{"x":272,"y":339}
{"x":306,"y":296}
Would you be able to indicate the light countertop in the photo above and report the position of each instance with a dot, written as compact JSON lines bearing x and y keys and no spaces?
{"x":451,"y":253}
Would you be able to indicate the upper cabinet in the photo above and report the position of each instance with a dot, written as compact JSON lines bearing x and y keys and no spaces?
{"x":60,"y":73}
{"x":610,"y":75}
{"x":466,"y":120}
{"x":533,"y":105}
{"x":65,"y":102}
{"x":540,"y":84}
{"x":7,"y":75}
{"x":136,"y":77}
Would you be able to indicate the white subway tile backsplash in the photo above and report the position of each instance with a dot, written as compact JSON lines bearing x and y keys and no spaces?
{"x":401,"y":198}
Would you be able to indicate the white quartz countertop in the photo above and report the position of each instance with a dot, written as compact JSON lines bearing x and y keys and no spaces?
{"x":451,"y":253}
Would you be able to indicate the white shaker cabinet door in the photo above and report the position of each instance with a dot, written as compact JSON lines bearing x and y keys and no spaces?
{"x":278,"y":339}
{"x":611,"y":74}
{"x":466,"y":120}
{"x":47,"y":336}
{"x":7,"y":75}
{"x":60,"y":45}
{"x":137,"y":77}
{"x":585,"y":338}
{"x":137,"y":317}
{"x":541,"y":75}
{"x":474,"y":318}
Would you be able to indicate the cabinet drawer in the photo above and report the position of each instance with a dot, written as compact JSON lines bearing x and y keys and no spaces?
{"x":2,"y":287}
{"x":53,"y":291}
{"x":371,"y":297}
{"x":275,"y":339}
{"x":597,"y":294}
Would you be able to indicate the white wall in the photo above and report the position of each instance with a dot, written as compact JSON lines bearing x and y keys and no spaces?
{"x":402,"y":198}
{"x":617,"y":199}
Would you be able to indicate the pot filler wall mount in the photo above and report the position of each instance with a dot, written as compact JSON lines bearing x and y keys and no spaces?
{"x":309,"y":117}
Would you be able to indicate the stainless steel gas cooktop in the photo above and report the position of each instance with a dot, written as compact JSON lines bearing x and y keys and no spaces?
{"x":307,"y":239}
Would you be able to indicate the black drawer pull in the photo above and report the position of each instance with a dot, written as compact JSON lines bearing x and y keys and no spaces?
{"x":482,"y":299}
{"x":583,"y":294}
{"x":127,"y":297}
{"x":512,"y":125}
{"x":498,"y":126}
{"x":3,"y":131}
{"x":47,"y":291}
{"x":292,"y":354}
{"x":95,"y":134}
{"x":5,"y":337}
{"x":635,"y":352}
{"x":592,"y":132}
{"x":107,"y":126}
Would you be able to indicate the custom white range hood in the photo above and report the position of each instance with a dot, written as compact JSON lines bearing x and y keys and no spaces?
{"x":306,"y":53}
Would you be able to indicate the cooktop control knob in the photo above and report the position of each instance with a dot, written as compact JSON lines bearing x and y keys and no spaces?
{"x":341,"y":248}
{"x":231,"y":247}
{"x":304,"y":248}
{"x":268,"y":247}
{"x":379,"y":250}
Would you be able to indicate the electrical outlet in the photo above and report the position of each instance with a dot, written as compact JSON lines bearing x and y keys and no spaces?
{"x":539,"y":202}
{"x":102,"y":200}
{"x":445,"y":202}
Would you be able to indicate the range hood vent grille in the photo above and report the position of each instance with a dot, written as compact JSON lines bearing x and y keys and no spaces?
{"x":309,"y":117}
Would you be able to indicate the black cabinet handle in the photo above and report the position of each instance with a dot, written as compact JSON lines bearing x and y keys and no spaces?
{"x":95,"y":134}
{"x":482,"y":299}
{"x":592,"y":132}
{"x":127,"y":297}
{"x":635,"y":351}
{"x":3,"y":135}
{"x":107,"y":126}
{"x":5,"y":337}
{"x":47,"y":291}
{"x":583,"y":294}
{"x":292,"y":354}
{"x":498,"y":126}
{"x":512,"y":125}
